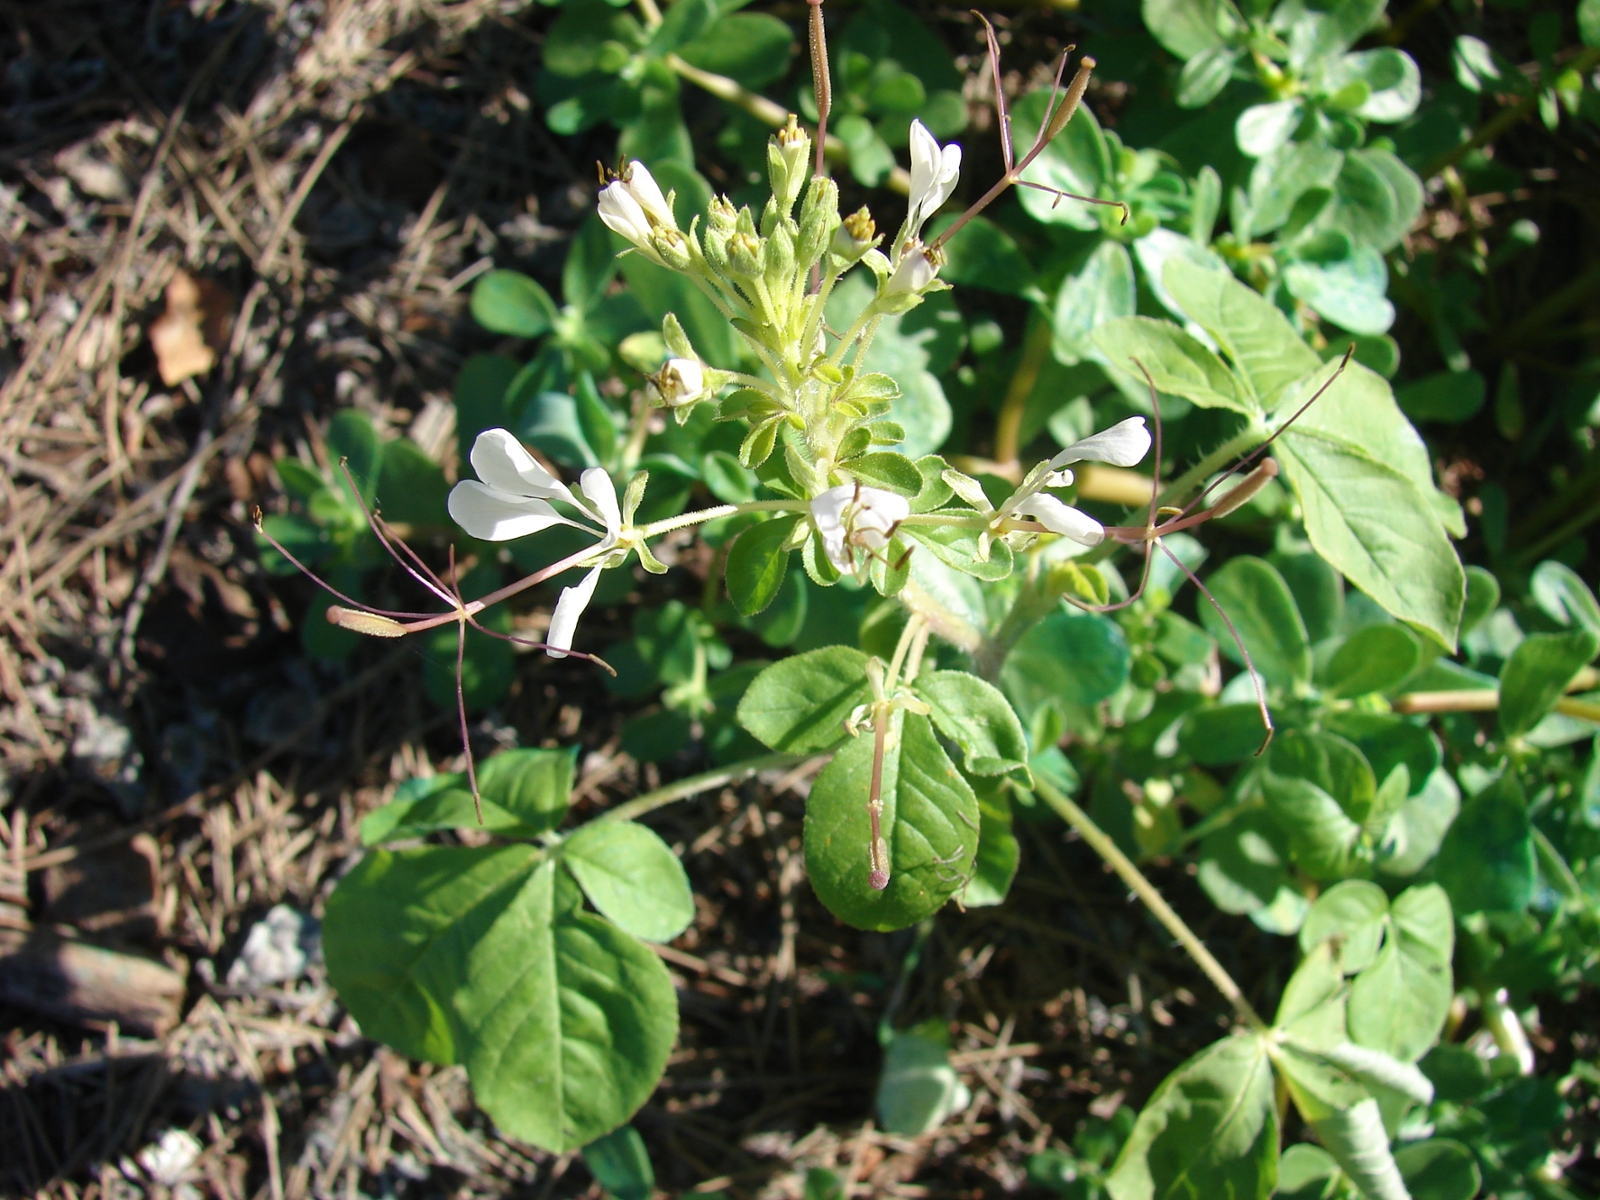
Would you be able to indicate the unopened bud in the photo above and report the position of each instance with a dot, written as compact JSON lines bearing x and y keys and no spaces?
{"x":788,"y":163}
{"x":777,"y":258}
{"x":819,"y":217}
{"x":673,"y":248}
{"x":744,"y":254}
{"x":370,"y":624}
{"x":856,"y":234}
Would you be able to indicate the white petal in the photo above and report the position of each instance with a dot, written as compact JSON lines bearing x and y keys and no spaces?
{"x":915,"y":272}
{"x":496,"y":516}
{"x":643,"y":188}
{"x":827,"y":508}
{"x":925,"y":164}
{"x":876,"y":514}
{"x":597,"y":485}
{"x":1062,"y":518}
{"x":1123,"y":445}
{"x":833,"y":546}
{"x":622,"y":214}
{"x":505,"y":466}
{"x":569,"y":607}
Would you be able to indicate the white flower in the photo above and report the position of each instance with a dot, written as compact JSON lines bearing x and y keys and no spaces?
{"x":1062,"y":518}
{"x":596,"y":485}
{"x":682,"y":381}
{"x":1123,"y":445}
{"x":850,"y":515}
{"x":633,"y":205}
{"x":513,"y":499}
{"x":915,"y":271}
{"x":934,"y":172}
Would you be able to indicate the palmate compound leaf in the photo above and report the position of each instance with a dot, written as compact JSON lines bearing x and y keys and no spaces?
{"x":1210,"y":1129}
{"x":482,"y":956}
{"x":930,"y":823}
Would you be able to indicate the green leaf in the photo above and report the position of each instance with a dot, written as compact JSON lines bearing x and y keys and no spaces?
{"x":1417,"y":830}
{"x":1375,"y":525}
{"x":1228,"y":733}
{"x":1448,"y":396}
{"x":411,"y":487}
{"x":1178,"y":364}
{"x":1322,"y":837}
{"x":1076,"y":161}
{"x":632,"y":877}
{"x":621,"y":1165}
{"x":1263,"y":128}
{"x":1439,"y":1169}
{"x":972,"y":713}
{"x":930,"y":823}
{"x":995,"y":864}
{"x":1589,"y":22}
{"x":919,"y":1090}
{"x":684,"y":22}
{"x":481,"y":387}
{"x":1073,"y":658}
{"x":549,"y":422}
{"x":394,"y":913}
{"x":758,"y":564}
{"x":1205,"y":75}
{"x":1330,"y":762}
{"x":532,"y":784}
{"x":510,"y":302}
{"x":352,"y":438}
{"x":1376,"y":199}
{"x":299,"y":479}
{"x":1373,"y":659}
{"x":1350,"y":292}
{"x":982,"y":255}
{"x":1278,"y":181}
{"x":445,"y":807}
{"x":1307,"y":1172}
{"x":565,"y":1021}
{"x":1486,"y":863}
{"x":1185,"y":27}
{"x":1244,"y":868}
{"x":1252,"y":332}
{"x":1100,"y":290}
{"x":886,"y":469}
{"x":1259,"y":603}
{"x":1537,"y":673}
{"x":1561,"y":595}
{"x":591,"y":264}
{"x":1400,"y":1000}
{"x":752,"y":48}
{"x":1394,"y":85}
{"x":800,"y":704}
{"x":1354,"y":912}
{"x":1357,"y":1140}
{"x":1210,"y":1129}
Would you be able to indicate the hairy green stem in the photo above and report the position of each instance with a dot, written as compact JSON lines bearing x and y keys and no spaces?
{"x":695,"y":784}
{"x":1119,"y":862}
{"x":700,"y":516}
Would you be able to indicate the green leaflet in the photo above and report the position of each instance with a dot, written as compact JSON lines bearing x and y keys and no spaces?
{"x":757,"y":565}
{"x":510,"y":302}
{"x":1178,"y":364}
{"x":1373,"y":659}
{"x":998,"y":856}
{"x":1536,"y":674}
{"x":973,"y":714}
{"x":1486,"y":862}
{"x":930,"y":822}
{"x":1264,"y":349}
{"x":800,"y":704}
{"x":632,"y":877}
{"x":1209,"y":1130}
{"x":1257,"y":600}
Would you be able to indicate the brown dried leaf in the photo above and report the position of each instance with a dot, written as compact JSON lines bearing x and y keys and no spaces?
{"x":189,"y":336}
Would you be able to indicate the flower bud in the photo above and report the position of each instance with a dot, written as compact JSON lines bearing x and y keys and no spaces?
{"x":819,"y":218}
{"x":856,"y":234}
{"x":777,"y":258}
{"x":744,"y":254}
{"x":788,"y":163}
{"x":673,"y":248}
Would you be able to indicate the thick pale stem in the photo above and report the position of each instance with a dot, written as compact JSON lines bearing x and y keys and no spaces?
{"x":1130,"y":874}
{"x":695,"y":784}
